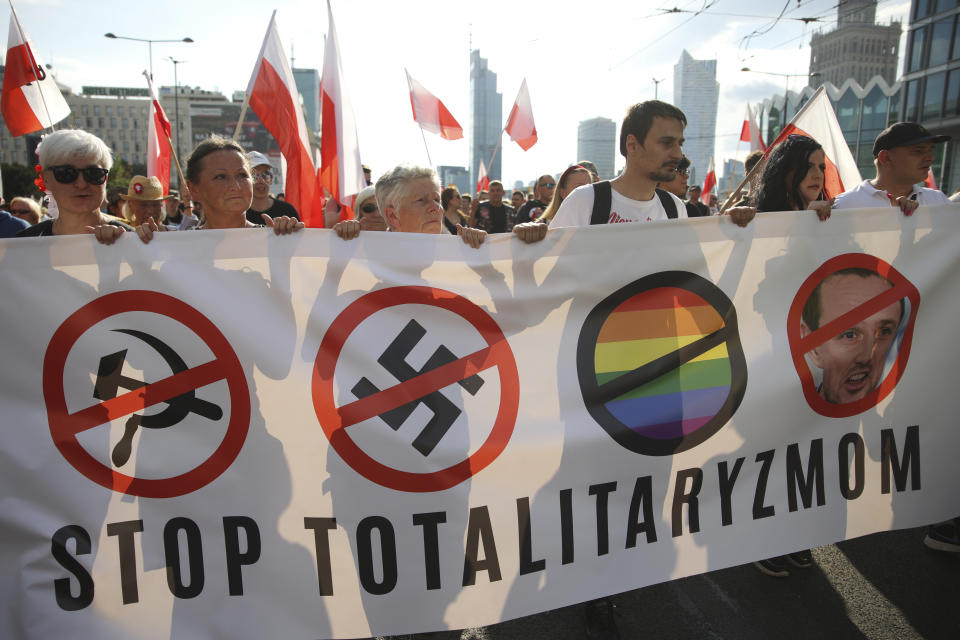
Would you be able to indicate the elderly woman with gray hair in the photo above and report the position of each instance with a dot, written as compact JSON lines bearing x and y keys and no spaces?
{"x":409,"y":200}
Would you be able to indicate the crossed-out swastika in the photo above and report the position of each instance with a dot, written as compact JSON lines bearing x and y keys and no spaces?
{"x":445,"y":412}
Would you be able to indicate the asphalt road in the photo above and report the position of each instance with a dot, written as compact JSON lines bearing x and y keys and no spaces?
{"x":882,"y":586}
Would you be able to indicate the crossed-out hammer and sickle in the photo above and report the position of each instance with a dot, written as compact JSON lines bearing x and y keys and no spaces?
{"x":110,"y":380}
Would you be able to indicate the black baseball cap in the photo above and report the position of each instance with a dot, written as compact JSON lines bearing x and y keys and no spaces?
{"x":902,"y":134}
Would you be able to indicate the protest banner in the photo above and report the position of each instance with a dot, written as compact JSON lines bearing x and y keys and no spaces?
{"x":233,"y":434}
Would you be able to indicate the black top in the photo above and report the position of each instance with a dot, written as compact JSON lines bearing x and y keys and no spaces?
{"x":277,"y":209}
{"x":495,"y":219}
{"x":45,"y":228}
{"x":523,"y":215}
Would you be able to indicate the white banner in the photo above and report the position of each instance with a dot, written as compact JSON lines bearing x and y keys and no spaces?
{"x":235,"y":434}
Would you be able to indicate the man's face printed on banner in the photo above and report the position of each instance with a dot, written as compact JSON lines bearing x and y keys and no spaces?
{"x":853,"y":360}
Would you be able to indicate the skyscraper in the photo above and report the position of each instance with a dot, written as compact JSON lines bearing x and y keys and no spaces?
{"x":858,"y":48}
{"x":596,"y":140}
{"x":486,"y":117}
{"x":696,"y":92}
{"x":308,"y":86}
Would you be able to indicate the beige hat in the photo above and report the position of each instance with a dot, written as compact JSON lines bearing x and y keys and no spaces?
{"x":143,"y":188}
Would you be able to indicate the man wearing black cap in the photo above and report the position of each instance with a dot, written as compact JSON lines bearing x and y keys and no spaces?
{"x":903,"y":153}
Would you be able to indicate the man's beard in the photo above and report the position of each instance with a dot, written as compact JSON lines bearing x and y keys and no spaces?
{"x":663,"y":174}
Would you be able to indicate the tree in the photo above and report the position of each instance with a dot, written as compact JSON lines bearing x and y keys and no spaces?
{"x":18,"y":181}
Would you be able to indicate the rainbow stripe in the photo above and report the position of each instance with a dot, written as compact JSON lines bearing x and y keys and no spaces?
{"x":645,"y":327}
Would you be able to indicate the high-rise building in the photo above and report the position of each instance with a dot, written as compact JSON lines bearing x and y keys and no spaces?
{"x":858,"y":48}
{"x":486,"y":117}
{"x":456,"y":176}
{"x":931,"y":81}
{"x":596,"y":140}
{"x":308,"y":86}
{"x":696,"y":93}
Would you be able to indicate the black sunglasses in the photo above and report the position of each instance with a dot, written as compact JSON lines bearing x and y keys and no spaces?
{"x":368,"y":208}
{"x":67,"y":174}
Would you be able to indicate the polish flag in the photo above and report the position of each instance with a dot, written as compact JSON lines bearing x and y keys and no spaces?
{"x":930,"y":182}
{"x":158,"y":140}
{"x":432,"y":114}
{"x":816,"y":119}
{"x":708,"y":184}
{"x":483,"y":180}
{"x":520,"y":124}
{"x":273,"y":97}
{"x":341,"y":172}
{"x":751,"y":132}
{"x":30,"y":99}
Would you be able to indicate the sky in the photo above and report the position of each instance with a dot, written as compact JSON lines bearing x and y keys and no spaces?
{"x":580,"y":60}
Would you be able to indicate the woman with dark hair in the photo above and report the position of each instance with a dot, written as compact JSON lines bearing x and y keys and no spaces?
{"x":452,"y":216}
{"x":793,"y":180}
{"x":220,"y":178}
{"x":574,"y":176}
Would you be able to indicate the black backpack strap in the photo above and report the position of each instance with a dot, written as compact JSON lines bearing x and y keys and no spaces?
{"x":602,"y":199}
{"x":668,"y":204}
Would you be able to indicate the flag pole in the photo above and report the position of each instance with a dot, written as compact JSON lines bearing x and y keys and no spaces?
{"x":422,"y":135}
{"x":243,"y":114}
{"x":495,"y":149}
{"x":33,"y":66}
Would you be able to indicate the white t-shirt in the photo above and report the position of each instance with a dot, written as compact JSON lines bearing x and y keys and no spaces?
{"x":865,"y":196}
{"x":577,"y":207}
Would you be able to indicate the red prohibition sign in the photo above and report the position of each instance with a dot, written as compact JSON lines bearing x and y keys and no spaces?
{"x":65,"y":426}
{"x":334,"y":420}
{"x":799,"y":345}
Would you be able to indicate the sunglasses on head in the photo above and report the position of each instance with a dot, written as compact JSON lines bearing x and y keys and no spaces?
{"x":67,"y":174}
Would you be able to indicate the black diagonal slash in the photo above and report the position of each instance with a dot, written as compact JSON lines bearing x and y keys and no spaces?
{"x":654,"y":369}
{"x":444,"y":411}
{"x":110,"y":380}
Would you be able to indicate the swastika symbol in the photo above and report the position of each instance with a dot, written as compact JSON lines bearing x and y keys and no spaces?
{"x":444,"y":411}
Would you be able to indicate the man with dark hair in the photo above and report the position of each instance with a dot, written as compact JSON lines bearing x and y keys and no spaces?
{"x":902,"y":154}
{"x":852,"y":361}
{"x":650,"y":139}
{"x":542,"y":195}
{"x":678,"y":186}
{"x":518,"y":199}
{"x":694,"y":201}
{"x":493,"y":215}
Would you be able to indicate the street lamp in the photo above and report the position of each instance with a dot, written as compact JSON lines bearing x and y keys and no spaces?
{"x":149,"y":45}
{"x":176,"y":105}
{"x":815,"y":74}
{"x":656,"y":86}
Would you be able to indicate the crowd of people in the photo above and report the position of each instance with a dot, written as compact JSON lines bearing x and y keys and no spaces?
{"x":229,"y":187}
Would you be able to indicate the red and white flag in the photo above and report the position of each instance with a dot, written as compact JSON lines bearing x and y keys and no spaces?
{"x":274,"y":98}
{"x":30,"y":99}
{"x":750,"y":132}
{"x":520,"y":124}
{"x":708,"y":184}
{"x":483,"y":180}
{"x":158,"y":140}
{"x":930,"y":182}
{"x":431,"y":113}
{"x":341,"y":172}
{"x":816,"y":119}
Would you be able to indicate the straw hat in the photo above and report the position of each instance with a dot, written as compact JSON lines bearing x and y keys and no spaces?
{"x":143,"y":188}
